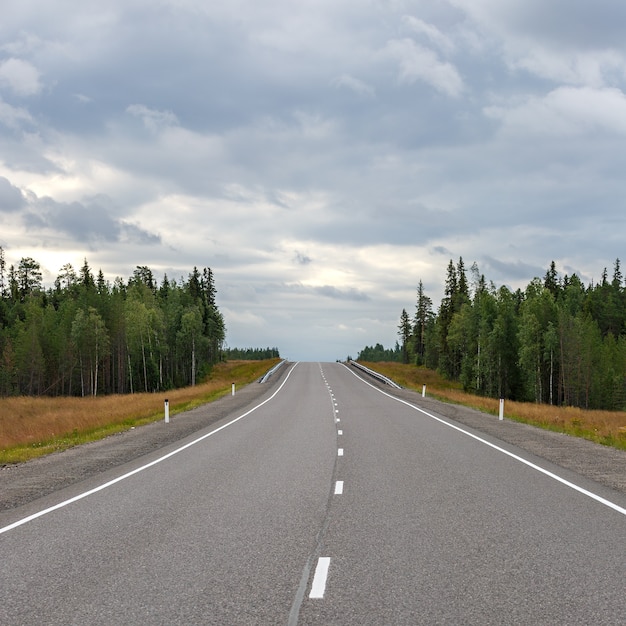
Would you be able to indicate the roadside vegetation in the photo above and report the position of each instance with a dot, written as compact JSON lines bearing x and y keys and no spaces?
{"x":605,"y":427}
{"x":88,"y":337}
{"x":558,"y":342}
{"x":35,"y":426}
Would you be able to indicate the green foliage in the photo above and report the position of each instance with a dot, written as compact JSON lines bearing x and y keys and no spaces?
{"x":85,"y":336}
{"x":558,"y":342}
{"x":405,"y":331}
{"x":377,"y":353}
{"x":250,"y":354}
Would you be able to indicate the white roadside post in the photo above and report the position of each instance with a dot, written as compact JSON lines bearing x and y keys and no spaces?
{"x":167,"y":411}
{"x":501,"y":409}
{"x":423,"y":391}
{"x":233,"y":389}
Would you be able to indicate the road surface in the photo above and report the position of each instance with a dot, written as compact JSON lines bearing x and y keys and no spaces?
{"x":326,"y":501}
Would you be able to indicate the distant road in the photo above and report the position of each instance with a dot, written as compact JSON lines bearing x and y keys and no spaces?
{"x":324,"y":502}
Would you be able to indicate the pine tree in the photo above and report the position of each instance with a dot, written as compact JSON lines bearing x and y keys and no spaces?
{"x":444,"y":319}
{"x":423,"y":318}
{"x":28,"y":277}
{"x":551,"y":280}
{"x":207,"y":284}
{"x":86,"y":278}
{"x":404,"y":330}
{"x":462,"y":294}
{"x":2,"y":273}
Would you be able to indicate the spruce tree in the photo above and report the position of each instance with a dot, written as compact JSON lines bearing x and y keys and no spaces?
{"x":423,"y":317}
{"x":404,"y":330}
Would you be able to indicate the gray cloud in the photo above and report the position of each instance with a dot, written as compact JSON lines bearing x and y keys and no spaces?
{"x":11,"y":198}
{"x":329,"y":291}
{"x":302,"y":259}
{"x":510,"y":270}
{"x":92,"y":221}
{"x":326,"y":291}
{"x":321,"y":157}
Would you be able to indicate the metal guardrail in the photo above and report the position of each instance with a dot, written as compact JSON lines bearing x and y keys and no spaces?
{"x":268,"y":374}
{"x":376,"y":375}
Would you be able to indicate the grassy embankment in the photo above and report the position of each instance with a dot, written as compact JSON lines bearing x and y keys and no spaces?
{"x":32,"y":427}
{"x":605,"y":427}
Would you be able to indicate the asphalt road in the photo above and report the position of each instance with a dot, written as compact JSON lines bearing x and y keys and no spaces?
{"x":322,"y":486}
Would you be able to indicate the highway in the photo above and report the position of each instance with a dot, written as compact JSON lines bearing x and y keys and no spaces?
{"x":326,"y":501}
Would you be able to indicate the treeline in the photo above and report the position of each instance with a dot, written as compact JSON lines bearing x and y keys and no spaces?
{"x":250,"y":354}
{"x":378,"y":353}
{"x":86,"y":336}
{"x":557,"y":342}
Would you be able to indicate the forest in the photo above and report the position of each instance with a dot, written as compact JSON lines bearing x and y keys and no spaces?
{"x":556,"y":342}
{"x":86,"y":336}
{"x":250,"y":354}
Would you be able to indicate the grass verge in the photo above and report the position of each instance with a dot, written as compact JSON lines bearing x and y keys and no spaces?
{"x":33,"y":427}
{"x":605,"y":427}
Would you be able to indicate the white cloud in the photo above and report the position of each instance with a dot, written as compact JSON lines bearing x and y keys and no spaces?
{"x":572,"y":42}
{"x":431,"y":32}
{"x":321,"y":156}
{"x":13,"y":117}
{"x":358,"y":86}
{"x":21,"y":77}
{"x":419,"y":63}
{"x":594,"y":69}
{"x":569,"y":111}
{"x":153,"y":119}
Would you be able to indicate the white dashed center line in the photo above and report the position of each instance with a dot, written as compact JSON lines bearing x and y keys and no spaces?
{"x":319,"y":580}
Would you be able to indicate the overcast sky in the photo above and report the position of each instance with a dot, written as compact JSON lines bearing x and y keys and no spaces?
{"x":321,"y":156}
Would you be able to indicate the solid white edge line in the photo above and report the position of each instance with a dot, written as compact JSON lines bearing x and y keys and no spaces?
{"x":567,"y":483}
{"x":80,"y":496}
{"x":319,"y":578}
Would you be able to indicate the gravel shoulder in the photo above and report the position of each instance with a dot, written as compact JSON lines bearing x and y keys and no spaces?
{"x":602,"y":464}
{"x":22,"y":483}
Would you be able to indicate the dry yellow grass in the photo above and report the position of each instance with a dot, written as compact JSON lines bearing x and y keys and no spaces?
{"x":606,"y":427}
{"x":32,"y":426}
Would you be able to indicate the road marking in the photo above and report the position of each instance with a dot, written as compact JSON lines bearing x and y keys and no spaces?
{"x":319,"y":579}
{"x":340,"y":432}
{"x":80,"y":496}
{"x":567,"y":483}
{"x":339,"y":487}
{"x":340,"y":452}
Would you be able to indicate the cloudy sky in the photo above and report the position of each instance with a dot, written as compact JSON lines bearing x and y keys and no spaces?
{"x":321,"y":156}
